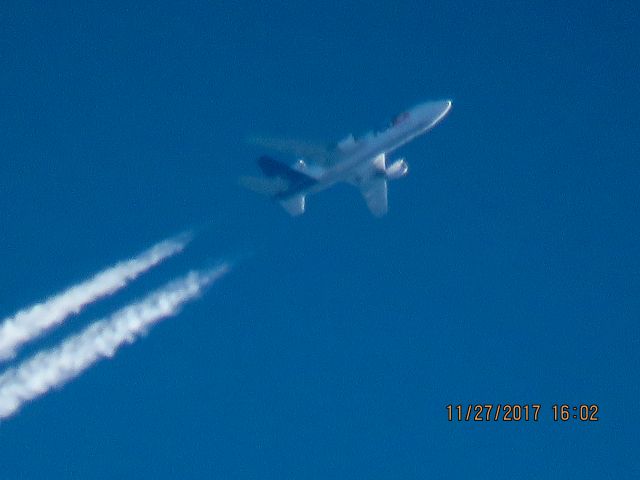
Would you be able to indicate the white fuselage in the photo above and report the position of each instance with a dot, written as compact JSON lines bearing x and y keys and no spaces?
{"x":355,"y":159}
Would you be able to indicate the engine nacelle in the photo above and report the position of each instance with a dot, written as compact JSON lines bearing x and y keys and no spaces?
{"x":397,"y":169}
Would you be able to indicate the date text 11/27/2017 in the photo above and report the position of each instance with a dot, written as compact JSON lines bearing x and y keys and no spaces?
{"x":514,"y":412}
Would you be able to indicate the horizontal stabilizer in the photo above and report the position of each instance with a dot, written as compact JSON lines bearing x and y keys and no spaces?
{"x":294,"y":205}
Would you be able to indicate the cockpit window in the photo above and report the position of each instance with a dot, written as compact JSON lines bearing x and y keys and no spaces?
{"x":400,"y":118}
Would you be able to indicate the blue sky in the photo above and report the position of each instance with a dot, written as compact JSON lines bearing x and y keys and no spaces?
{"x":505,"y":271}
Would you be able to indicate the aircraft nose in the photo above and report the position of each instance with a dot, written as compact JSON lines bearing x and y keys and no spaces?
{"x":432,"y":112}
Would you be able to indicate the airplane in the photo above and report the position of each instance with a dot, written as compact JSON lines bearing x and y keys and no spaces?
{"x":360,"y":162}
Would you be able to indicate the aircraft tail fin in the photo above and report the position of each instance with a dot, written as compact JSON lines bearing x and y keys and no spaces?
{"x":279,"y":179}
{"x":282,"y":183}
{"x":273,"y":168}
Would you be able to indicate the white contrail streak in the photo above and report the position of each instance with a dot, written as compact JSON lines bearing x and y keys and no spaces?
{"x":32,"y":321}
{"x":52,"y":368}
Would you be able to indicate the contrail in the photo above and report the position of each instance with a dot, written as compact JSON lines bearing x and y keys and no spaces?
{"x":52,"y":368}
{"x":32,"y":321}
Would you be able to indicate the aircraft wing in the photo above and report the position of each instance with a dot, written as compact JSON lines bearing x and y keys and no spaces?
{"x":374,"y":191}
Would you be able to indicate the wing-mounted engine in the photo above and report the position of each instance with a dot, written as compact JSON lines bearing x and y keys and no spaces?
{"x":397,"y":169}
